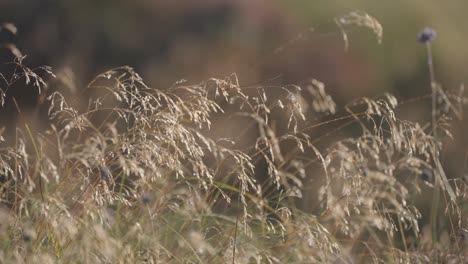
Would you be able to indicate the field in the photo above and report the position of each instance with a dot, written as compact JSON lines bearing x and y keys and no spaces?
{"x":219,"y":171}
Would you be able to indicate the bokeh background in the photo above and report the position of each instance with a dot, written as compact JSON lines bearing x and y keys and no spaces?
{"x":262,"y":41}
{"x":169,"y":40}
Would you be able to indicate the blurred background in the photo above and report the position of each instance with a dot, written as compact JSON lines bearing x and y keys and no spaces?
{"x":169,"y":40}
{"x":263,"y":42}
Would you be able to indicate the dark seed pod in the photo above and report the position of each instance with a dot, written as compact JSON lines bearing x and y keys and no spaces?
{"x":146,"y":198}
{"x":26,"y":237}
{"x":105,"y":173}
{"x":460,"y":236}
{"x":363,"y":170}
{"x":427,"y":175}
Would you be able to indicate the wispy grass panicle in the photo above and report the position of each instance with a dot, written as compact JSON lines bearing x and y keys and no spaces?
{"x":216,"y":172}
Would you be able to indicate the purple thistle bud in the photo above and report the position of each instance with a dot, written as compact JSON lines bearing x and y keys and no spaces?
{"x":426,"y":35}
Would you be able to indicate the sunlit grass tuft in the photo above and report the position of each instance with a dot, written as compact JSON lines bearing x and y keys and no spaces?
{"x":126,"y":173}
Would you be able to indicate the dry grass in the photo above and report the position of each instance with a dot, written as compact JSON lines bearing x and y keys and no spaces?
{"x":125,"y":173}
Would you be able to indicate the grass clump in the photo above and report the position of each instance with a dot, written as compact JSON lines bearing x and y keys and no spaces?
{"x":125,"y":173}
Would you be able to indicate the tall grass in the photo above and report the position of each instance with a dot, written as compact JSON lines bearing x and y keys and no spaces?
{"x":126,"y":173}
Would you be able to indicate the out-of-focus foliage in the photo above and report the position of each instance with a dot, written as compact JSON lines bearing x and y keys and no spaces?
{"x":195,"y":40}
